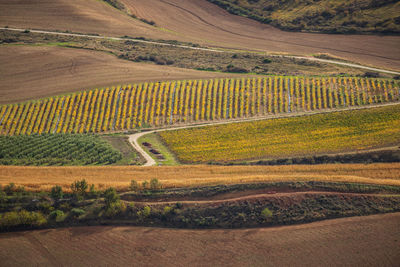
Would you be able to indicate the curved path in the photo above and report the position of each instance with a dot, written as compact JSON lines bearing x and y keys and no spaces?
{"x":133,"y":138}
{"x":205,"y":49}
{"x":256,"y":196}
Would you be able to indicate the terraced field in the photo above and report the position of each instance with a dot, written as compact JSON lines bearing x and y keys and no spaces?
{"x":157,"y":104}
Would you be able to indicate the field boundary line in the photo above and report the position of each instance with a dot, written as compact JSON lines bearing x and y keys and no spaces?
{"x":133,"y":138}
{"x":202,"y":48}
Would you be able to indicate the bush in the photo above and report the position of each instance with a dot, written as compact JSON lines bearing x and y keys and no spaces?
{"x":144,"y":213}
{"x":56,"y":193}
{"x":110,"y":197}
{"x":25,"y":218}
{"x":114,"y":209}
{"x":369,"y":74}
{"x":134,"y":186}
{"x":56,"y":215}
{"x":266,"y":61}
{"x":77,"y":212}
{"x":231,"y":68}
{"x":79,"y":187}
{"x":9,"y":189}
{"x":145,"y":185}
{"x":266,"y":213}
{"x":155,"y":184}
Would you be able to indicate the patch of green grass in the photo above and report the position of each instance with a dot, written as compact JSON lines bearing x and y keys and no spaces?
{"x":121,"y":143}
{"x":157,"y":144}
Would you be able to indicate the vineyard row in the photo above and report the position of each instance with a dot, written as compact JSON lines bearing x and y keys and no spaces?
{"x":164,"y":103}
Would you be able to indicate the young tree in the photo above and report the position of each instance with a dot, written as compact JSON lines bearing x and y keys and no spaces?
{"x":110,"y":197}
{"x":134,"y":185}
{"x":79,"y":188}
{"x":155,"y":184}
{"x":56,"y":193}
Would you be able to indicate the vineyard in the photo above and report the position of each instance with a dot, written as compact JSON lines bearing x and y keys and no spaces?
{"x":178,"y":102}
{"x":287,"y":137}
{"x":56,"y":149}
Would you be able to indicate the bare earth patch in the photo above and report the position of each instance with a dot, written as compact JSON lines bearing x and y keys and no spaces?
{"x":357,"y":241}
{"x":31,"y":72}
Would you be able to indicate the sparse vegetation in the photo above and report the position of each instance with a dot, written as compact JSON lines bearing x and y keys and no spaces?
{"x":350,"y":16}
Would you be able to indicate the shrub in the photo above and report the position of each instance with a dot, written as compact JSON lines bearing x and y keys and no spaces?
{"x":144,"y":213}
{"x":79,"y":187}
{"x":77,"y":212}
{"x":21,"y":218}
{"x":56,"y":193}
{"x":114,"y":209}
{"x":9,"y":189}
{"x":266,"y":213}
{"x":134,"y":185}
{"x":56,"y":215}
{"x":266,"y":61}
{"x":155,"y":184}
{"x":167,"y":210}
{"x":110,"y":197}
{"x":145,"y":185}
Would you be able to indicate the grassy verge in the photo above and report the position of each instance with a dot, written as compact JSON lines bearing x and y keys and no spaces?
{"x":287,"y":137}
{"x":157,"y":144}
{"x":121,"y":143}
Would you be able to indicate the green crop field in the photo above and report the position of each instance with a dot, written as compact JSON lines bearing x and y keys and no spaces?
{"x":56,"y":149}
{"x":287,"y":137}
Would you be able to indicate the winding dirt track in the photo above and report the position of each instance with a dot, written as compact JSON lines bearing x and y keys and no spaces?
{"x":357,"y":241}
{"x":243,"y":196}
{"x":195,"y":21}
{"x":133,"y":138}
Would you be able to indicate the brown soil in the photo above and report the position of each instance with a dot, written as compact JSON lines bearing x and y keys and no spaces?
{"x":43,"y":178}
{"x":196,"y":21}
{"x":33,"y":72}
{"x":357,"y":241}
{"x":203,"y":21}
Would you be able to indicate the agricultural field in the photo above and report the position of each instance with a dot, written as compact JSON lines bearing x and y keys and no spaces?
{"x":332,"y":242}
{"x":124,"y":120}
{"x":287,"y":137}
{"x":155,"y":104}
{"x":38,"y":179}
{"x":57,"y":149}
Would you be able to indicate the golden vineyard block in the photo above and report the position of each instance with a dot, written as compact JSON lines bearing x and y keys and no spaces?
{"x":174,"y":102}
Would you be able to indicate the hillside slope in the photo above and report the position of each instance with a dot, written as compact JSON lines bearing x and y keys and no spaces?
{"x":31,"y":72}
{"x":204,"y":22}
{"x":196,"y":21}
{"x":332,"y":16}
